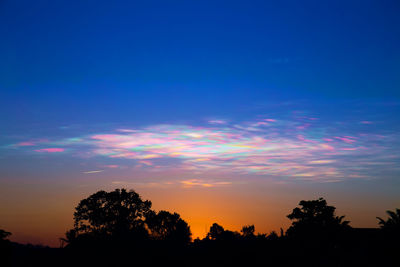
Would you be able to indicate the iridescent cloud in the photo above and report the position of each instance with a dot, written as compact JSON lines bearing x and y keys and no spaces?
{"x":201,"y":183}
{"x":189,"y":183}
{"x":284,"y":148}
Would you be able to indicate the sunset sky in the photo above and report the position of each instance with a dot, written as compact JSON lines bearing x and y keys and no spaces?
{"x":223,"y":111}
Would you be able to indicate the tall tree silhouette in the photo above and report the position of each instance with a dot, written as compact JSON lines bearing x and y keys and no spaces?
{"x":315,"y":220}
{"x":116,"y":214}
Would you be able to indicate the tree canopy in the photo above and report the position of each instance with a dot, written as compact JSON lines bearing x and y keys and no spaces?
{"x":392,"y":224}
{"x":168,"y":227}
{"x":217,"y":232}
{"x":123,"y":215}
{"x":315,"y":219}
{"x":248,"y":231}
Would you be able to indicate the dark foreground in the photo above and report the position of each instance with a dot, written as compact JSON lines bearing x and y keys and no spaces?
{"x":118,"y":228}
{"x":361,"y":247}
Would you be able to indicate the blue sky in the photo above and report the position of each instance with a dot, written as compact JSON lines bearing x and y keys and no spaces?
{"x":182,"y":94}
{"x":94,"y":62}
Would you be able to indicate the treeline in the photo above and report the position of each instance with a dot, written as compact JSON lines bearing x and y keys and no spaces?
{"x":118,"y":228}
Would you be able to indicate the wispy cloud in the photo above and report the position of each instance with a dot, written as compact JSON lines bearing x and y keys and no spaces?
{"x":27,"y":143}
{"x":300,"y":148}
{"x":203,"y":183}
{"x":185,"y":183}
{"x":143,"y":184}
{"x":50,"y":150}
{"x":112,"y":166}
{"x":90,"y":172}
{"x":217,"y":122}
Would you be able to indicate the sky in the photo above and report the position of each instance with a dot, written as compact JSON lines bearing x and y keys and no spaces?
{"x":223,"y":111}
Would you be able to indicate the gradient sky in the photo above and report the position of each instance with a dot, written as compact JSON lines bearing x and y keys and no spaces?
{"x":223,"y":111}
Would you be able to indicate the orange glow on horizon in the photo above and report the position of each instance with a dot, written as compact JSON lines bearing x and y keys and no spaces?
{"x":42,"y":217}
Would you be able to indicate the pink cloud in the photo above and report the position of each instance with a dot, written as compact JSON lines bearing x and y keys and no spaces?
{"x":328,"y":147}
{"x":145,"y":162}
{"x":25,"y":144}
{"x":303,"y":127}
{"x":50,"y":150}
{"x":111,"y":166}
{"x":302,"y":138}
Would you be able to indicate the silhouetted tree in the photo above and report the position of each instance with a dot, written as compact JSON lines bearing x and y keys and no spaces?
{"x":248,"y":231}
{"x":315,"y":220}
{"x":272,"y":236}
{"x":392,"y":224}
{"x":116,"y":214}
{"x":215,"y":232}
{"x":168,"y":227}
{"x":4,"y":235}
